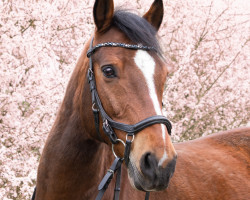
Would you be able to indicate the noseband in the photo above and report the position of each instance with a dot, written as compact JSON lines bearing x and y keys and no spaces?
{"x":110,"y":124}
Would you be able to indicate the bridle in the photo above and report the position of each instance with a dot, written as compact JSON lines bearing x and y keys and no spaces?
{"x":109,"y":124}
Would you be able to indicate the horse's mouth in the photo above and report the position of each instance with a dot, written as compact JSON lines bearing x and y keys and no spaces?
{"x":142,"y":183}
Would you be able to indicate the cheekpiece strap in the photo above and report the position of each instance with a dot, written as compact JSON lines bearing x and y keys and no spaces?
{"x":127,"y":151}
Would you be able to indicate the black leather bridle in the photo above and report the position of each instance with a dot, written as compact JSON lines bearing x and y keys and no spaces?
{"x":109,"y":124}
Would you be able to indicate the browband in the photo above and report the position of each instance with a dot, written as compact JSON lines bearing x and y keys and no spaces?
{"x":91,"y":51}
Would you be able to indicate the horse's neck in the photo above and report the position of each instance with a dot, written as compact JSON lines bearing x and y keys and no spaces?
{"x":72,"y":161}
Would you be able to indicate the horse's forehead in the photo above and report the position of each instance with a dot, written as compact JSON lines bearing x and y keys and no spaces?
{"x":145,"y":62}
{"x":112,"y":35}
{"x":151,"y":66}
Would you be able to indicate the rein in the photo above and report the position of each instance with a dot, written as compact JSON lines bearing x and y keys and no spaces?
{"x":109,"y":124}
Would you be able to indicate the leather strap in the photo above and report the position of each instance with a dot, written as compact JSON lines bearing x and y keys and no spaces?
{"x":127,"y":151}
{"x":118,"y":184}
{"x":34,"y":194}
{"x":96,"y":117}
{"x":108,"y":177}
{"x":147,"y":196}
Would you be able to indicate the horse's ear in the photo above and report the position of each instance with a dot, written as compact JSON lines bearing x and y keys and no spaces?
{"x":103,"y":14}
{"x":155,"y":14}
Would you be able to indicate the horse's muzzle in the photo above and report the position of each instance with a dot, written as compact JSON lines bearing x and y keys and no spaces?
{"x":152,"y":176}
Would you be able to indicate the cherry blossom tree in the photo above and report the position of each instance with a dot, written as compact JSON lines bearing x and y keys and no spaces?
{"x":206,"y":44}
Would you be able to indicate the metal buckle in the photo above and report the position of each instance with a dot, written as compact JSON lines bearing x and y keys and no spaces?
{"x":111,"y":171}
{"x":90,"y":74}
{"x":109,"y":132}
{"x":94,"y":109}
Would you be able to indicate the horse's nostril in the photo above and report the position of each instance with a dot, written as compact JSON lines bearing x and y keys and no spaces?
{"x":154,"y":176}
{"x":147,"y":160}
{"x":148,"y":165}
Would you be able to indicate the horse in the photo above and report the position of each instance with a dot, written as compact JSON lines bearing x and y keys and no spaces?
{"x":129,"y":76}
{"x":119,"y":78}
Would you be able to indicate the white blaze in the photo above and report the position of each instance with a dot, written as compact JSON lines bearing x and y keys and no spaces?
{"x":147,"y":65}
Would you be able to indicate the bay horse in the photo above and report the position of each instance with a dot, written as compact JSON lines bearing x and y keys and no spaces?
{"x":122,"y":83}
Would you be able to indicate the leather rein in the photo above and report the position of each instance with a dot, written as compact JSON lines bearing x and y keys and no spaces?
{"x":109,"y":124}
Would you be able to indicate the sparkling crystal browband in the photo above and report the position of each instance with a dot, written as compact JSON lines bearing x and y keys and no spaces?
{"x":123,"y":45}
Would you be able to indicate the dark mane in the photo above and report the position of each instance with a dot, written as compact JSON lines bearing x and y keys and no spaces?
{"x":136,"y":28}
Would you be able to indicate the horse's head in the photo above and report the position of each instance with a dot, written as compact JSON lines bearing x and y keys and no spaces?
{"x":130,"y":85}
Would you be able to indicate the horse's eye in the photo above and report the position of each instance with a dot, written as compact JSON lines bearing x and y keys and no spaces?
{"x":109,"y":71}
